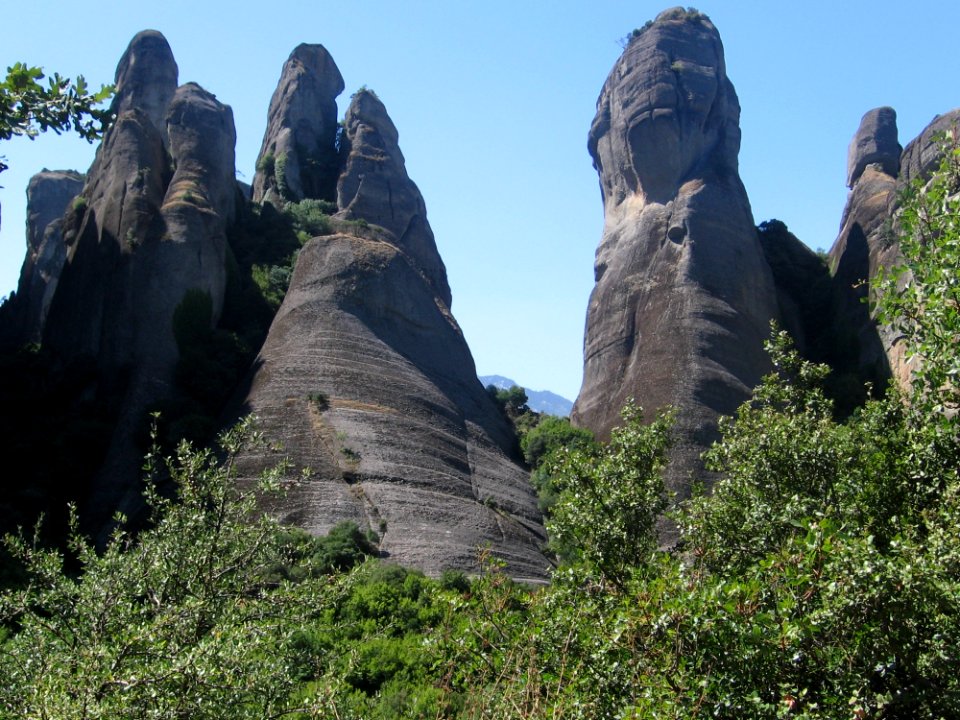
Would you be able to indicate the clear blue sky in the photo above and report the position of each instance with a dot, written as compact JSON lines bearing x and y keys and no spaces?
{"x":493,"y":101}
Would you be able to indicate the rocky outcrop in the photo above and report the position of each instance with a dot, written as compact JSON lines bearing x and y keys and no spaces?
{"x":867,"y":240}
{"x":298,"y":157}
{"x":876,"y":143}
{"x":923,"y":154}
{"x":683,"y":297}
{"x":49,"y":195}
{"x":146,"y":79}
{"x":149,"y":226}
{"x":367,"y":382}
{"x":374,"y":187}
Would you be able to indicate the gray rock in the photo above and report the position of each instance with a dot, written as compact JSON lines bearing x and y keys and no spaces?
{"x":867,"y":242}
{"x":150,"y":227}
{"x":374,"y":187}
{"x":683,"y":297}
{"x":298,"y":157}
{"x":875,"y":143}
{"x":49,"y":195}
{"x":146,"y":78}
{"x":367,"y":383}
{"x":923,"y":154}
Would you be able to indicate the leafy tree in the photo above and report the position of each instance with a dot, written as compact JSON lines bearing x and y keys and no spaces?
{"x":920,"y":298}
{"x":180,"y":621}
{"x":609,"y":499}
{"x":28,"y":107}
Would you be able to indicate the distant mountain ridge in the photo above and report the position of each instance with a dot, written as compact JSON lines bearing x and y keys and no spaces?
{"x":542,"y":401}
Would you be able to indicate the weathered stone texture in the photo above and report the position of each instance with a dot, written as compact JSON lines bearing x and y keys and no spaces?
{"x":366,"y":380}
{"x":49,"y":195}
{"x":150,"y":225}
{"x":684,"y":297}
{"x":374,"y":187}
{"x":298,"y":157}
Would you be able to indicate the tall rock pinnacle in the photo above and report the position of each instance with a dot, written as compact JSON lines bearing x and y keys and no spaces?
{"x":374,"y":186}
{"x":49,"y":196}
{"x":298,"y":157}
{"x":683,"y":296}
{"x":878,"y":171}
{"x":148,"y":227}
{"x":367,"y":382}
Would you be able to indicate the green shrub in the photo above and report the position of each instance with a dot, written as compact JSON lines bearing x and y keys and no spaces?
{"x":266,"y":164}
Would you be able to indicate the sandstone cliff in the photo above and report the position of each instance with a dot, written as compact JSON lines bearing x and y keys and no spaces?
{"x":298,"y":157}
{"x":683,"y":297}
{"x":367,"y":382}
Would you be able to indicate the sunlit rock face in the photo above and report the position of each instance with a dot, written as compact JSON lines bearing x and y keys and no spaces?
{"x":683,"y":297}
{"x":49,"y":195}
{"x":298,"y":157}
{"x":367,"y":384}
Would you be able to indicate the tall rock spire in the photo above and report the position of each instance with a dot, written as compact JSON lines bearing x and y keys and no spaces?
{"x":367,"y":382}
{"x":683,"y":296}
{"x":374,"y":186}
{"x":298,"y":156}
{"x":148,"y":227}
{"x":877,"y":172}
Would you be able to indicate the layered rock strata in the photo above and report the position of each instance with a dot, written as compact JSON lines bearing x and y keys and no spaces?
{"x":683,"y":297}
{"x":366,"y":381}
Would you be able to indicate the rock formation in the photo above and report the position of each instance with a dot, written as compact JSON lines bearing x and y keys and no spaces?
{"x":374,"y":187}
{"x":149,"y":226}
{"x":683,"y":297}
{"x":367,"y":382}
{"x":49,"y":195}
{"x":298,"y":157}
{"x":877,"y":172}
{"x":865,"y":242}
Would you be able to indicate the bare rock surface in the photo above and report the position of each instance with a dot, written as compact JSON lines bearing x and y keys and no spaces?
{"x":49,"y":195}
{"x":683,"y":297}
{"x":374,"y":187}
{"x":298,"y":157}
{"x":923,"y":154}
{"x":149,"y":225}
{"x":366,"y":382}
{"x":867,"y":239}
{"x":876,"y":142}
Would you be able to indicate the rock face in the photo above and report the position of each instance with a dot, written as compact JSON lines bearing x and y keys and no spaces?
{"x":923,"y":153}
{"x":683,"y":296}
{"x":867,"y":242}
{"x":875,"y":143}
{"x":367,"y":381}
{"x":298,"y":157}
{"x":149,"y":226}
{"x":374,"y":187}
{"x":49,"y":195}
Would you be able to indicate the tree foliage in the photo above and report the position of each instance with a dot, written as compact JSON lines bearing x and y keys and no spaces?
{"x":28,"y":107}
